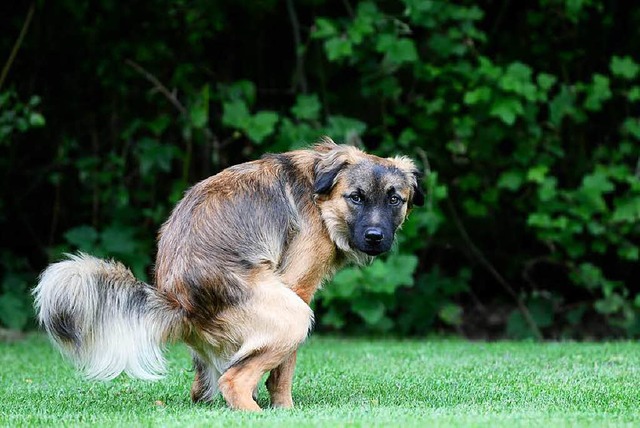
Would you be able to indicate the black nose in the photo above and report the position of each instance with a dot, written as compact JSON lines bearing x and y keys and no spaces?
{"x":373,"y":235}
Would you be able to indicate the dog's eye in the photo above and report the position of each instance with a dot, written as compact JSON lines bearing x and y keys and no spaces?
{"x":355,"y":198}
{"x":395,"y":200}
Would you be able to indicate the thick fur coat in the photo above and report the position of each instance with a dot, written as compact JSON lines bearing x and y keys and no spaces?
{"x":238,"y":262}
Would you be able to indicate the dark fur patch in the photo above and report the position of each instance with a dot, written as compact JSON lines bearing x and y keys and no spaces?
{"x":300,"y":190}
{"x":199,"y":386}
{"x":325,"y":179}
{"x":418,"y":196}
{"x":137,"y":301}
{"x":246,"y":264}
{"x":63,"y":326}
{"x":209,"y":296}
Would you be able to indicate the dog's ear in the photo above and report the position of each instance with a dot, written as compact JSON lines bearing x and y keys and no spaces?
{"x":414,"y":176}
{"x":418,"y":191}
{"x":332,"y":158}
{"x":325,"y":178}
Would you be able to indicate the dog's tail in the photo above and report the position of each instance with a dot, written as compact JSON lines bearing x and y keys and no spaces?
{"x":103,"y":318}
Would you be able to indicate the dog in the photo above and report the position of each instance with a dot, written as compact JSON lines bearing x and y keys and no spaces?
{"x":239,"y":259}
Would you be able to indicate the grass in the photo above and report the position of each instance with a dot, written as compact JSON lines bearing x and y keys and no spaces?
{"x":350,"y":383}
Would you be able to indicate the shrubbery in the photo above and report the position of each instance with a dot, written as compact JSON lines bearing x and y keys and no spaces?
{"x":524,"y":117}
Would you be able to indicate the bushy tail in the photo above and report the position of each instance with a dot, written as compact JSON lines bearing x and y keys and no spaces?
{"x":103,"y":318}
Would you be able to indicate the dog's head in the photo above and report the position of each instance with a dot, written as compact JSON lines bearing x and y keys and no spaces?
{"x":363,"y":198}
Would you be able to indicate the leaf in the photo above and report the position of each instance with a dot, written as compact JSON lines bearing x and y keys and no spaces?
{"x":588,"y":275}
{"x":333,"y":318}
{"x":548,"y":189}
{"x":610,"y":304}
{"x":451,"y":314}
{"x":323,"y":29}
{"x":307,"y":107}
{"x":371,"y":311}
{"x":537,"y":173}
{"x":396,"y":271}
{"x":478,"y":95}
{"x":199,"y":116}
{"x":627,"y":210}
{"x":546,"y":81}
{"x":235,"y":114}
{"x":244,"y":90}
{"x":507,"y":109}
{"x":631,"y":126}
{"x":519,"y":72}
{"x":634,"y":94}
{"x":407,"y":137}
{"x":338,"y":48}
{"x":403,"y":50}
{"x":397,"y":50}
{"x":517,"y":79}
{"x":475,"y":208}
{"x":344,"y":284}
{"x":155,"y":156}
{"x":82,"y":237}
{"x":158,"y":125}
{"x":344,"y":127}
{"x":624,"y":67}
{"x":542,"y":220}
{"x":563,"y":104}
{"x":36,"y":119}
{"x":629,"y":252}
{"x":119,"y":240}
{"x":262,"y":125}
{"x":597,"y":93}
{"x":592,"y":189}
{"x":597,"y":182}
{"x":363,"y":24}
{"x":511,"y":180}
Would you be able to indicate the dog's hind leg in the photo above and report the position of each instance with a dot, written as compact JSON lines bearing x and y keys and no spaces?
{"x":271,"y":326}
{"x":280,"y":382}
{"x":205,"y":383}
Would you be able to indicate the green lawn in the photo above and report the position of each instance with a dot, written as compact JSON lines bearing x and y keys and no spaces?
{"x":350,"y":382}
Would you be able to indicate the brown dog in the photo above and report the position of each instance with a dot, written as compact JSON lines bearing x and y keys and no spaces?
{"x":238,"y":261}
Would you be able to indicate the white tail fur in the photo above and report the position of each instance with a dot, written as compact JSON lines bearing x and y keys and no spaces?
{"x":103,"y":318}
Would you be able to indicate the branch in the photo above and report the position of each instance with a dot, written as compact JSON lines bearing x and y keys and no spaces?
{"x":295,"y":27}
{"x":158,"y":85}
{"x":348,"y":7}
{"x":17,"y":44}
{"x":494,"y":272}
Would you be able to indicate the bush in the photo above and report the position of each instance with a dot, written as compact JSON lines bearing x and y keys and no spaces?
{"x":523,"y":117}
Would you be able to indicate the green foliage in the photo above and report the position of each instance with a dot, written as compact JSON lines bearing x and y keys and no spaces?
{"x":18,"y":117}
{"x":524,"y":120}
{"x":15,"y":306}
{"x":517,"y":130}
{"x":256,"y":126}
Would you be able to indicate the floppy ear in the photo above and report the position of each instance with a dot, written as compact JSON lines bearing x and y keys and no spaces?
{"x":418,"y":191}
{"x":332,"y":158}
{"x":325,"y":179}
{"x":414,"y":175}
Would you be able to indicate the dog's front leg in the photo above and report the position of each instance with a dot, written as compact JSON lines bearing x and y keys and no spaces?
{"x":280,"y":382}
